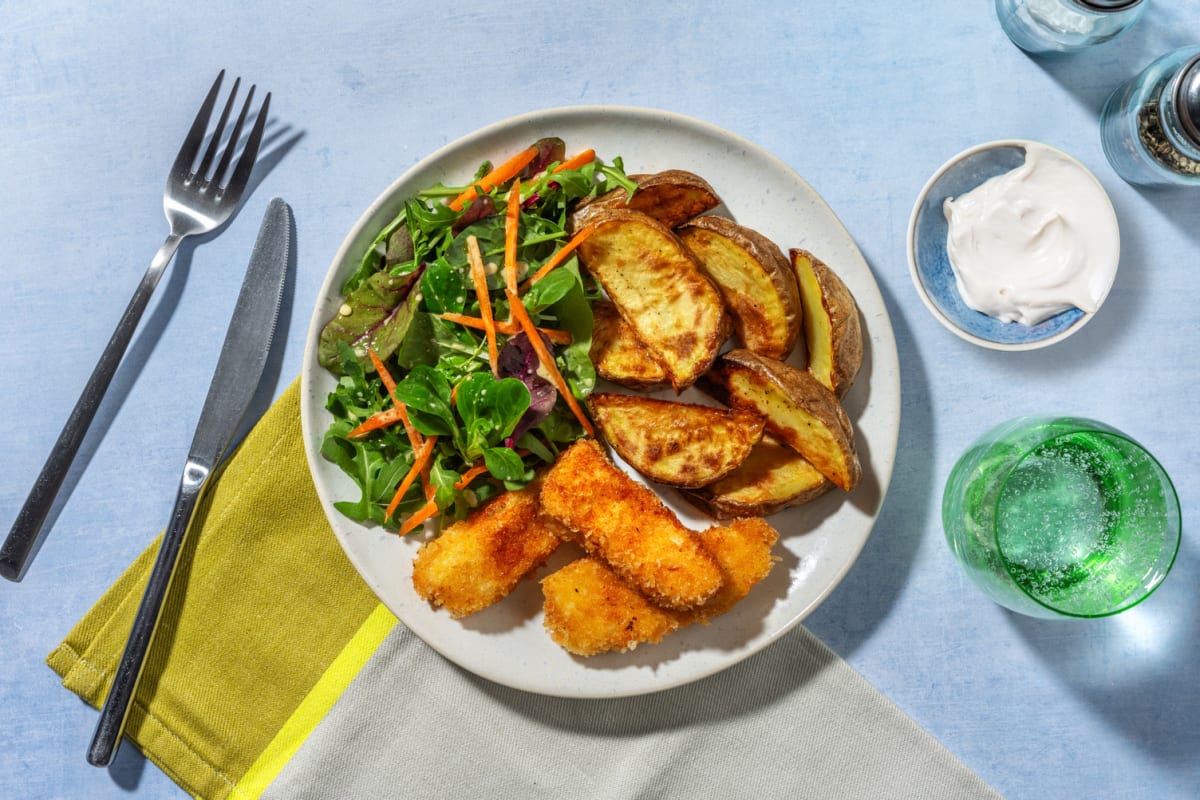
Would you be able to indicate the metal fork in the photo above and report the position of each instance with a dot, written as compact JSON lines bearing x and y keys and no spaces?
{"x":195,"y":202}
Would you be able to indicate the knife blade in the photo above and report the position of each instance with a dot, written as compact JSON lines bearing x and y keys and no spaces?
{"x":234,"y":384}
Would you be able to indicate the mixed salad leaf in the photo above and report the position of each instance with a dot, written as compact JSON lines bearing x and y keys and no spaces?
{"x":444,"y":398}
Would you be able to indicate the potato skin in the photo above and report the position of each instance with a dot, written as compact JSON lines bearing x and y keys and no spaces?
{"x":773,"y":477}
{"x":660,"y":291}
{"x":755,"y":279}
{"x":835,"y":344}
{"x":677,"y":444}
{"x":800,"y":410}
{"x":672,"y":197}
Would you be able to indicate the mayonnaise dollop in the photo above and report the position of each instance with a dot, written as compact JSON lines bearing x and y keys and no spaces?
{"x":1033,"y":242}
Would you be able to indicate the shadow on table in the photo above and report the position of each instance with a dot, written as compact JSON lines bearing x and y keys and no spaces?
{"x":127,"y":767}
{"x":1137,"y":669}
{"x":1177,"y":205}
{"x":869,"y":590}
{"x":138,"y":353}
{"x":1093,"y":75}
{"x":278,"y":140}
{"x":762,"y":681}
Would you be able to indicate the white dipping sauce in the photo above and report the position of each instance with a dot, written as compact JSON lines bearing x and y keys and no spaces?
{"x":1033,"y":242}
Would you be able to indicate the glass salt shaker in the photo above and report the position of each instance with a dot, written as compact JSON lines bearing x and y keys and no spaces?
{"x":1150,"y":127}
{"x":1065,"y":26}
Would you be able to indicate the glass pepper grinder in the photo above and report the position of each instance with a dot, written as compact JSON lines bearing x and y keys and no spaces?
{"x":1150,"y":127}
{"x":1065,"y":26}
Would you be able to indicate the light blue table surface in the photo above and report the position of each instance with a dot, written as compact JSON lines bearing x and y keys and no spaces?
{"x":865,"y":100}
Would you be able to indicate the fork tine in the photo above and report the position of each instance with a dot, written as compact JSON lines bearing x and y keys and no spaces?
{"x":234,"y":137}
{"x":241,"y":174}
{"x":195,"y":136}
{"x":215,"y":142}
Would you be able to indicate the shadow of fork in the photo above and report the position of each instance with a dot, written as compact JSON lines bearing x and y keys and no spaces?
{"x":273,"y":148}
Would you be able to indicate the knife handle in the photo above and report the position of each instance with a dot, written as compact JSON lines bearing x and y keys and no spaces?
{"x":115,"y":711}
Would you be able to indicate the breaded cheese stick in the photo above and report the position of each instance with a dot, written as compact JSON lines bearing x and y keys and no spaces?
{"x":743,"y":550}
{"x":478,"y":560}
{"x":588,"y":609}
{"x":624,"y":523}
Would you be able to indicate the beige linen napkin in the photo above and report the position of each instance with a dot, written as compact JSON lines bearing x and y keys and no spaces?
{"x":794,"y":721}
{"x":280,"y":675}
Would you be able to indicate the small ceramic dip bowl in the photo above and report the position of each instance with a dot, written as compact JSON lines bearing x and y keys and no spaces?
{"x":929,"y":263}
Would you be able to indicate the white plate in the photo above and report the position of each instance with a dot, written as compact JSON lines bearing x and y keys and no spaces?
{"x":818,"y":542}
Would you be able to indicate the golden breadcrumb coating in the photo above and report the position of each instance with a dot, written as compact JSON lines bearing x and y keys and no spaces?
{"x":743,"y":550}
{"x":588,"y":609}
{"x":624,"y":523}
{"x":479,"y":560}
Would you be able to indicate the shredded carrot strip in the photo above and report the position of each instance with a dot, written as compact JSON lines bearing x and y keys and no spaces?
{"x":470,"y":475}
{"x":507,"y":328}
{"x":512,"y":219}
{"x":414,"y":436}
{"x":506,"y":171}
{"x":400,"y":411}
{"x":576,"y":161}
{"x":389,"y":382}
{"x":419,"y":516}
{"x":479,"y":278}
{"x":547,"y":360}
{"x":422,"y":458}
{"x":417,"y":441}
{"x":560,"y":256}
{"x":380,"y":419}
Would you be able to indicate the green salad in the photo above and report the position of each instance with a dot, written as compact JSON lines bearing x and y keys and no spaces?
{"x":444,"y":398}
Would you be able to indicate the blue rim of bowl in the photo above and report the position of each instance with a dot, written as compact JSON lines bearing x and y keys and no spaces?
{"x":929,"y":266}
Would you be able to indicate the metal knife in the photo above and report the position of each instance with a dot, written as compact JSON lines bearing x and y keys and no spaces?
{"x":239,"y":370}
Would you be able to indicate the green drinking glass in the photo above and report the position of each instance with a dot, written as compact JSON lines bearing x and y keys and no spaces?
{"x":1062,"y":517}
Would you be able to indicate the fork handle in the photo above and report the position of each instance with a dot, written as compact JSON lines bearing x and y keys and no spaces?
{"x":115,"y":710}
{"x":22,"y":537}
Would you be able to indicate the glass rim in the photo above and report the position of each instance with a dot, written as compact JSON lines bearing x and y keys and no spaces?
{"x":1085,"y":425}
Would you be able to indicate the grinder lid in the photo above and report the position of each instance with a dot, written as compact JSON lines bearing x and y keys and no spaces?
{"x":1187,"y":100}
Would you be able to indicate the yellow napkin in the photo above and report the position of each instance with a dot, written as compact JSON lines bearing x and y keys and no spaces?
{"x":263,"y":603}
{"x":248,"y":694}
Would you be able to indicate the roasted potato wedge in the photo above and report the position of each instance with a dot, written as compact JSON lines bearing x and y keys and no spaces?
{"x":799,"y":409}
{"x":618,"y":355}
{"x":678,"y":444}
{"x":773,"y":477}
{"x":832,"y":332}
{"x":656,"y":285}
{"x":755,"y":280}
{"x":672,"y":197}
